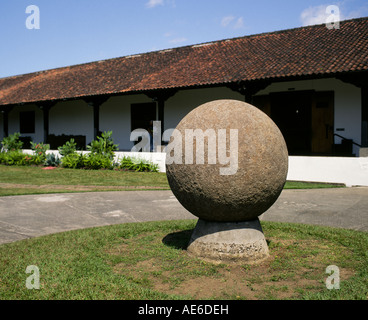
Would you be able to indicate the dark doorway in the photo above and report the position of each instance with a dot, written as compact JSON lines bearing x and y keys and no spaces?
{"x":142,"y":116}
{"x":291,"y":111}
{"x":27,"y":122}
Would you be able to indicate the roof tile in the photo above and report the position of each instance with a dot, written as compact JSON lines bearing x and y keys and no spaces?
{"x":302,"y":51}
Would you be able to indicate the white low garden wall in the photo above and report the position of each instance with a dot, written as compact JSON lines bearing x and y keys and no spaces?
{"x":349,"y":171}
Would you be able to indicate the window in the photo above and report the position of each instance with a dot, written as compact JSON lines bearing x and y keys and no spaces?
{"x":27,"y":122}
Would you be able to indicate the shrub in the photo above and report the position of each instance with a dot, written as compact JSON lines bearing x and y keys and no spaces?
{"x":52,"y":160}
{"x":18,"y":158}
{"x":12,"y":142}
{"x":2,"y":157}
{"x":70,"y":147}
{"x":73,"y":161}
{"x":98,"y":161}
{"x":139,"y":165}
{"x":127,"y":164}
{"x":14,"y":157}
{"x":104,"y":145}
{"x":32,"y":159}
{"x":87,"y":161}
{"x":40,"y":149}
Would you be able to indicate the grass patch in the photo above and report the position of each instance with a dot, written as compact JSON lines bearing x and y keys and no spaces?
{"x":149,"y":261}
{"x":36,"y":180}
{"x":16,"y":180}
{"x":311,"y":185}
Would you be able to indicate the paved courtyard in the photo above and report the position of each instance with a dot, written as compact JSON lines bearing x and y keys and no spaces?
{"x":28,"y":216}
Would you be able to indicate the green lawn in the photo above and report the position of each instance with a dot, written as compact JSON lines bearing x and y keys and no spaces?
{"x":33,"y":180}
{"x":149,"y":261}
{"x":15,"y":180}
{"x":310,"y":185}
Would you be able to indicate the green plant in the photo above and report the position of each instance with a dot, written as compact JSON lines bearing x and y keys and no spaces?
{"x":2,"y":157}
{"x":146,"y":166}
{"x":127,"y":164}
{"x":69,"y":147}
{"x":11,"y":158}
{"x":98,"y":161}
{"x":88,"y":161}
{"x":40,"y":149}
{"x":52,"y":160}
{"x":104,"y":145}
{"x":18,"y":158}
{"x":12,"y":142}
{"x":139,"y":165}
{"x":32,"y":159}
{"x":73,"y":161}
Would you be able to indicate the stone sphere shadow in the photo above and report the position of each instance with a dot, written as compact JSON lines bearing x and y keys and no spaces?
{"x":178,"y":240}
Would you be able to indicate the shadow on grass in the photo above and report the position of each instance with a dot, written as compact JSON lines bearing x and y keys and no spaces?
{"x":178,"y":240}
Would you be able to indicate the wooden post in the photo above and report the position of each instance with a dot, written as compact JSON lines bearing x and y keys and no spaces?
{"x":96,"y":120}
{"x":5,"y":112}
{"x":45,"y":107}
{"x":364,"y":96}
{"x":95,"y":103}
{"x":46,"y":122}
{"x":160,"y":97}
{"x":161,"y":113}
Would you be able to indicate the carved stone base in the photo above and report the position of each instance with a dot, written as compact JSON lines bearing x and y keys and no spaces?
{"x":229,"y":242}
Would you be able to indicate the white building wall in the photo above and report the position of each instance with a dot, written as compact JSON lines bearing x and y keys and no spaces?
{"x":115,"y":117}
{"x":178,"y":106}
{"x":115,"y":112}
{"x":347,"y":104}
{"x":71,"y":118}
{"x":76,"y":117}
{"x":13,"y":120}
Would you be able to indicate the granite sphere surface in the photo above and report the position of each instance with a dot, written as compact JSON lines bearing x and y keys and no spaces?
{"x":226,"y":161}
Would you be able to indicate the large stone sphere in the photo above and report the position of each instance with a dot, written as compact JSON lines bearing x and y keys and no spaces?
{"x":244,"y":164}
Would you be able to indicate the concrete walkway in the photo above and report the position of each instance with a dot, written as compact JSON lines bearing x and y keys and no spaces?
{"x":28,"y":216}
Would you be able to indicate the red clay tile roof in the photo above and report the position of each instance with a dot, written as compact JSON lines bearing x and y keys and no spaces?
{"x":313,"y":50}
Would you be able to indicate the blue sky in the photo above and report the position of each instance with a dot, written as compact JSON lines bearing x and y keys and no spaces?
{"x":80,"y":31}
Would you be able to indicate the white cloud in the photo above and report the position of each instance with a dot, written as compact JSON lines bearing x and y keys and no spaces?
{"x":320,"y":14}
{"x":178,"y":40}
{"x":154,"y":3}
{"x":239,"y":23}
{"x":232,"y":22}
{"x":226,"y":20}
{"x":314,"y":15}
{"x":173,"y":38}
{"x":168,"y":34}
